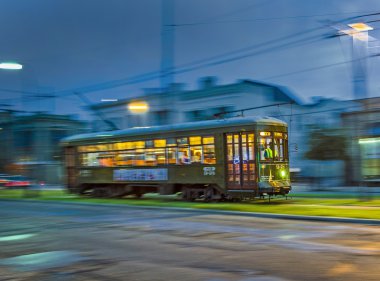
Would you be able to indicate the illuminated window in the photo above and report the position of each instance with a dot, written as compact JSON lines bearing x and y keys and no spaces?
{"x":139,"y":144}
{"x":139,"y":157}
{"x":266,"y":147}
{"x":195,"y":140}
{"x":196,"y":154}
{"x":183,"y":155}
{"x":150,"y":157}
{"x":210,"y":140}
{"x":160,"y":156}
{"x":280,"y":146}
{"x":265,"y":134}
{"x":209,"y":154}
{"x":160,"y":143}
{"x":172,"y":155}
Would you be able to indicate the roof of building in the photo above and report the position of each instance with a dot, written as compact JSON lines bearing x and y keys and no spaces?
{"x":209,"y":124}
{"x":212,"y":89}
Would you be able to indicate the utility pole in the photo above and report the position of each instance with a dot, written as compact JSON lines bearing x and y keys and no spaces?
{"x":167,"y":43}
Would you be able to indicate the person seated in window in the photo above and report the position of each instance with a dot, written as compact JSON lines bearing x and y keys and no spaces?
{"x":184,"y":158}
{"x":197,"y":157}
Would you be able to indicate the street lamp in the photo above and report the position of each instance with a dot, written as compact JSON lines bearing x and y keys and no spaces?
{"x":138,"y":107}
{"x":10,"y":65}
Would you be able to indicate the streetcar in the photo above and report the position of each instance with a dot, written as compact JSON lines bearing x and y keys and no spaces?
{"x":225,"y":159}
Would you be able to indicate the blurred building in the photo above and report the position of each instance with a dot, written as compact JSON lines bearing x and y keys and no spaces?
{"x":245,"y":97}
{"x":30,"y":144}
{"x":209,"y":101}
{"x":363,"y":130}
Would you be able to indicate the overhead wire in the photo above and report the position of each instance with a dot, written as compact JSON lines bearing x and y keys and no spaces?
{"x":207,"y":62}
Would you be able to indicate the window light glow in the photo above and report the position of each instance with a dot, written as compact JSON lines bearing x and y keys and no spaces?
{"x":371,"y":140}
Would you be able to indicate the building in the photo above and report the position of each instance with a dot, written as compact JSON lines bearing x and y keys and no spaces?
{"x":209,"y":101}
{"x":363,"y":133}
{"x":31,"y":144}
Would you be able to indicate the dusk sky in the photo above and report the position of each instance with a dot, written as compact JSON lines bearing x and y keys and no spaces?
{"x":87,"y":45}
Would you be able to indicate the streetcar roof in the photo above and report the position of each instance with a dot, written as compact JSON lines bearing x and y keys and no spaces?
{"x":179,"y":127}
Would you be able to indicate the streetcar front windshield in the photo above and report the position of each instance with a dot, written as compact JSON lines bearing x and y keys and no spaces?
{"x":273,"y":153}
{"x":273,"y":147}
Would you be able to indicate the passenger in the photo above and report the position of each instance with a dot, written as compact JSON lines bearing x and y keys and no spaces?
{"x":197,"y":157}
{"x":268,"y":153}
{"x":185,"y":158}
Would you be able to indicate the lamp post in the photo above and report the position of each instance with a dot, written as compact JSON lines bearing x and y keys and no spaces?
{"x":9,"y":142}
{"x":138,"y":107}
{"x":359,"y":33}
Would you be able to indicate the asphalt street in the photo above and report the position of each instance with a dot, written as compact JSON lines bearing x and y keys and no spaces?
{"x":54,"y":241}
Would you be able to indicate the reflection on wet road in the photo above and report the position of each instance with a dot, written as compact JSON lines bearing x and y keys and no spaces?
{"x":52,"y":241}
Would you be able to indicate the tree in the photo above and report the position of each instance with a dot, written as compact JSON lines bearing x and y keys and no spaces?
{"x":327,"y":145}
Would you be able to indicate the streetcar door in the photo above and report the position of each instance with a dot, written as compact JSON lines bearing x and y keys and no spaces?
{"x":71,"y":171}
{"x":240,"y":160}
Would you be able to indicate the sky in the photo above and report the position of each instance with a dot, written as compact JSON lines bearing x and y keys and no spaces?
{"x":92,"y":46}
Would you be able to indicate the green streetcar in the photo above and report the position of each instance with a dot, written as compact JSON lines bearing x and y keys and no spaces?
{"x":229,"y":159}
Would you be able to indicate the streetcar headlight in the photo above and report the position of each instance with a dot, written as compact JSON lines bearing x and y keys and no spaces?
{"x":283,"y":173}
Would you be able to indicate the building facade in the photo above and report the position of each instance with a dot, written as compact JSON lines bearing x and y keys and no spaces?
{"x":363,"y":132}
{"x":31,"y":144}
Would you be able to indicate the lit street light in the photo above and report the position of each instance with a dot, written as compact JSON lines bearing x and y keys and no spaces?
{"x":138,"y":107}
{"x":10,"y":66}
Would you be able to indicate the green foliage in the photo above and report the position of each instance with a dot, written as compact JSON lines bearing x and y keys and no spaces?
{"x":327,"y":145}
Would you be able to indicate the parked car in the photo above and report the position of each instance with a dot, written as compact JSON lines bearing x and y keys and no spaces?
{"x":9,"y":181}
{"x":4,"y":179}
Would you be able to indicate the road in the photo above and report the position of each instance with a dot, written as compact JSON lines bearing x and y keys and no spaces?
{"x":55,"y":241}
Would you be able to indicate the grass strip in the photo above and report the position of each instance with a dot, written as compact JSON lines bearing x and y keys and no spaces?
{"x":359,"y":207}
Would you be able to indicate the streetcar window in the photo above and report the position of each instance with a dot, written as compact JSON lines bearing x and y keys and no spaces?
{"x":171,"y":142}
{"x":280,"y":144}
{"x":161,"y":157}
{"x":118,"y":146}
{"x":209,"y":154}
{"x":247,"y":147}
{"x":150,"y":157}
{"x":266,"y":146}
{"x":149,"y":144}
{"x":139,"y":157}
{"x":106,"y":160}
{"x":160,"y":143}
{"x":183,"y":155}
{"x":229,"y":138}
{"x":139,"y":144}
{"x":195,"y":140}
{"x":124,"y":158}
{"x":196,"y":154}
{"x":90,"y":159}
{"x":172,"y":155}
{"x":195,"y":149}
{"x":182,"y":141}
